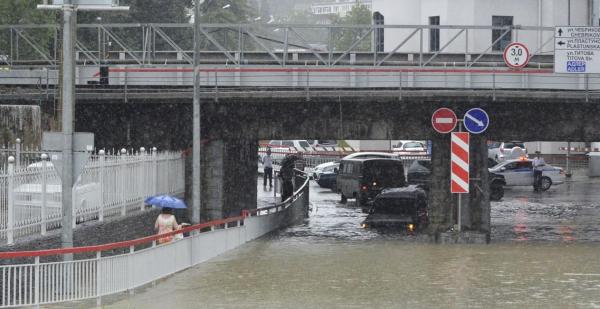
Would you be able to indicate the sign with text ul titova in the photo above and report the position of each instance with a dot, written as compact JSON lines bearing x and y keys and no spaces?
{"x":459,"y":178}
{"x":577,"y":49}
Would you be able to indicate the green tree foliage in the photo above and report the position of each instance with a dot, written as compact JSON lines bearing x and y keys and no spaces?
{"x":227,"y":12}
{"x":345,"y":37}
{"x":13,"y":12}
{"x":144,"y":11}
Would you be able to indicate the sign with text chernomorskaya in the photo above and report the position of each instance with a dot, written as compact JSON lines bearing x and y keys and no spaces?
{"x":576,"y":49}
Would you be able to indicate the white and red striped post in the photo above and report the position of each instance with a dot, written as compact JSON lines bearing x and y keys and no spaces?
{"x":459,"y":179}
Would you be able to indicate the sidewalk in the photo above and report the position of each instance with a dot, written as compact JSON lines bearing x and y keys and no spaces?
{"x":265,"y":195}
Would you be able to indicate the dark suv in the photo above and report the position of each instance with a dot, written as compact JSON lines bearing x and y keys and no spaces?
{"x":398,"y":207}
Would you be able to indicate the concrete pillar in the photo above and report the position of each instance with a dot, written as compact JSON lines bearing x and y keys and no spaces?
{"x":241,"y":163}
{"x":228,"y":177}
{"x":212,"y":161}
{"x":477,"y":215}
{"x":441,"y":201}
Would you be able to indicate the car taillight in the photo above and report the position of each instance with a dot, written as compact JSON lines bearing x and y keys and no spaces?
{"x":364,"y":187}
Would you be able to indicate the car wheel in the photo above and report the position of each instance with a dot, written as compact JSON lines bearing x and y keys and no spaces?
{"x":496,"y":192}
{"x":546,"y":183}
{"x":361,"y":201}
{"x":344,"y":199}
{"x":422,"y":218}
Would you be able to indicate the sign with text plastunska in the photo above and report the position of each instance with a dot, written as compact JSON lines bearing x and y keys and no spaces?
{"x":577,"y":49}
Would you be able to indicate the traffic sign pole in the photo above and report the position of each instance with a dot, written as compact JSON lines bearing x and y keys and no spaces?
{"x":459,"y":182}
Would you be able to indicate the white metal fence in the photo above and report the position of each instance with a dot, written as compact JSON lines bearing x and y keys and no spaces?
{"x":43,"y":283}
{"x":30,"y":196}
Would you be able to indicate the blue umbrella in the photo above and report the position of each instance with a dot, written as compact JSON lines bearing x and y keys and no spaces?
{"x":166,"y":201}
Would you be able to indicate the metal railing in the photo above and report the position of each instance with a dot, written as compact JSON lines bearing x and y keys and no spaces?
{"x":281,"y":44}
{"x":34,"y":282}
{"x":30,"y":196}
{"x":132,"y":83}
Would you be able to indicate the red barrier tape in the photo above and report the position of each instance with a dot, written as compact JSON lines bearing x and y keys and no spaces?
{"x":116,"y":245}
{"x":326,"y":70}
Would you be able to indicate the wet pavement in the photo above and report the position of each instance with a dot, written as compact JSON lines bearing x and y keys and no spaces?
{"x":544,"y":254}
{"x":568,"y":212}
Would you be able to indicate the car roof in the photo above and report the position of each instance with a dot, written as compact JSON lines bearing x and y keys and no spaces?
{"x":370,"y":154}
{"x":371,"y":159}
{"x":326,"y":164}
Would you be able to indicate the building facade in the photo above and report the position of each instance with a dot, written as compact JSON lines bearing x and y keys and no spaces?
{"x":500,"y":13}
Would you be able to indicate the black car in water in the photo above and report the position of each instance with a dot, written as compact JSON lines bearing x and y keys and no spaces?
{"x":419,"y":173}
{"x":404,"y":207}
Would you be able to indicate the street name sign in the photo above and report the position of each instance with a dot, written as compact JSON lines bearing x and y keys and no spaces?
{"x":576,"y":49}
{"x":443,"y":120}
{"x":516,"y":55}
{"x":476,"y":120}
{"x":459,"y":179}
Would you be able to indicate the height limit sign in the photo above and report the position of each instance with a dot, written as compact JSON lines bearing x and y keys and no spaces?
{"x":577,"y":49}
{"x":516,"y":55}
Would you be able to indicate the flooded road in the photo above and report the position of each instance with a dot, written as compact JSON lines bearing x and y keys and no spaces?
{"x":544,"y":254}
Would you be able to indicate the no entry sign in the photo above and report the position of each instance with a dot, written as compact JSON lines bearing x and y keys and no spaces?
{"x":516,"y":55}
{"x":459,"y":180}
{"x":443,"y":120}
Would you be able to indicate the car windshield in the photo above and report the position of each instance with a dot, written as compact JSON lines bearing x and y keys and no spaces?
{"x":384,"y":171}
{"x":413,"y":145}
{"x":396,"y":206}
{"x":492,"y":145}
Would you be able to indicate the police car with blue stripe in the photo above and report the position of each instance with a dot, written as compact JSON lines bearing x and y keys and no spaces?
{"x":519,"y":172}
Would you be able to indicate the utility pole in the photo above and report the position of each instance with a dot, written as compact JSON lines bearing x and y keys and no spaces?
{"x":69,"y":27}
{"x":68,"y":107}
{"x":196,"y":143}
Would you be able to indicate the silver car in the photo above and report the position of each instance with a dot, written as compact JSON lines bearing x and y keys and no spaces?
{"x":520,"y":173}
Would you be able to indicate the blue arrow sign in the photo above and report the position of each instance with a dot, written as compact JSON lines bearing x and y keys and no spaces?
{"x":476,"y":120}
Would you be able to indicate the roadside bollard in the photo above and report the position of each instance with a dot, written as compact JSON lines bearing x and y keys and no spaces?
{"x":11,"y":201}
{"x":44,"y":158}
{"x":101,"y":159}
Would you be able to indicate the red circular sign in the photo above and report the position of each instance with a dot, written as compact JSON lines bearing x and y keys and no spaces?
{"x":516,"y":55}
{"x":443,"y":120}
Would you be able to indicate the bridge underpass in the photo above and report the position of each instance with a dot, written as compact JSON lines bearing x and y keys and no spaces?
{"x":243,"y":116}
{"x":232,"y":128}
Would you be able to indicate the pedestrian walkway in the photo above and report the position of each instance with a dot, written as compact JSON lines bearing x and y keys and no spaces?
{"x":265,"y":196}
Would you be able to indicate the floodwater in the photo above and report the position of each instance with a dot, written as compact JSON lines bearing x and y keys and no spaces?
{"x":545,"y":254}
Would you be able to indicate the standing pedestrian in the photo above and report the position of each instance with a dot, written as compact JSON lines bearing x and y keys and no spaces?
{"x":538,"y":167}
{"x":166,"y":223}
{"x":268,"y":169}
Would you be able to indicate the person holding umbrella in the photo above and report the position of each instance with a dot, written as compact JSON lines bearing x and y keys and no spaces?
{"x":166,"y":222}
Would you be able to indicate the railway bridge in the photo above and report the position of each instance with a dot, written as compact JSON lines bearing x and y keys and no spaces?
{"x":276,"y":82}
